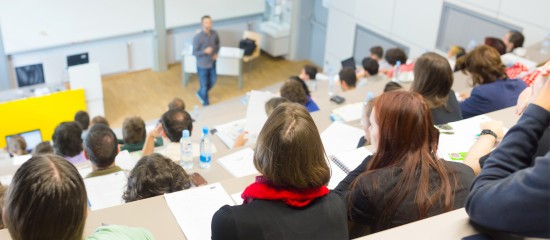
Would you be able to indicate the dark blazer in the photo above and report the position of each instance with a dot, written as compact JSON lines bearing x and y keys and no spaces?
{"x":491,"y":97}
{"x":451,"y":113}
{"x":324,"y":218}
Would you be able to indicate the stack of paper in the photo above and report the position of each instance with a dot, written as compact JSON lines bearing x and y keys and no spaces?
{"x":194,"y":208}
{"x":239,"y":163}
{"x":105,"y":191}
{"x":229,"y":132}
{"x":340,"y":137}
{"x":349,"y":112}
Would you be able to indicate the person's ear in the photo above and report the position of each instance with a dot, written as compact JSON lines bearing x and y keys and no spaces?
{"x":86,"y":155}
{"x":117,"y":148}
{"x":344,"y":85}
{"x":4,"y":216}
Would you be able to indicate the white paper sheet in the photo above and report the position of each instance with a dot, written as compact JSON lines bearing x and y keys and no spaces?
{"x":237,"y":198}
{"x":465,"y":134}
{"x":106,"y":191}
{"x":194,"y":208}
{"x":6,"y":179}
{"x":239,"y":163}
{"x":349,"y":112}
{"x":229,"y":132}
{"x":125,"y":160}
{"x":255,"y":113}
{"x":350,"y":159}
{"x":340,"y":137}
{"x":19,"y":160}
{"x":84,"y":171}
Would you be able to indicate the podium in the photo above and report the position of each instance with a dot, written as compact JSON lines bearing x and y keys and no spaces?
{"x":229,"y":63}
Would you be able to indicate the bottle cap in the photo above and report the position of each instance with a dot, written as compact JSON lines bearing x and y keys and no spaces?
{"x":205,"y":130}
{"x":185,"y":133}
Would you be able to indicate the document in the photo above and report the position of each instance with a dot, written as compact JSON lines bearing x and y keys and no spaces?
{"x":19,"y":160}
{"x":105,"y":191}
{"x":239,"y":163}
{"x":229,"y":132}
{"x":194,"y":208}
{"x":349,"y":112}
{"x":255,"y":113}
{"x":6,"y":179}
{"x":340,"y":137}
{"x":343,"y":163}
{"x":125,"y":160}
{"x":84,"y":171}
{"x":237,"y":198}
{"x":459,"y":136}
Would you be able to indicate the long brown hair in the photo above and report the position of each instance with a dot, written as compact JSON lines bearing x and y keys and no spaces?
{"x":289,"y":151}
{"x":483,"y":64}
{"x":407,"y":141}
{"x":433,"y":79}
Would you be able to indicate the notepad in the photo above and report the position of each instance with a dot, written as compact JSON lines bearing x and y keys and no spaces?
{"x":194,"y":208}
{"x":105,"y":191}
{"x":349,"y":112}
{"x":340,"y":137}
{"x":343,"y":163}
{"x":229,"y":132}
{"x":239,"y":163}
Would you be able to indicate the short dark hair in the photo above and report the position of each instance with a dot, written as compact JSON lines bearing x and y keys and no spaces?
{"x":516,"y":38}
{"x":273,"y":103}
{"x":370,"y":65}
{"x":396,"y":54}
{"x":348,"y":76}
{"x":378,"y":51}
{"x":83,"y":119}
{"x":101,"y":145}
{"x":133,"y":130}
{"x":205,"y":17}
{"x":100,"y":120}
{"x":311,"y":71}
{"x":496,"y":43}
{"x":42,"y":148}
{"x":176,"y":103}
{"x":392,"y":86}
{"x":174,"y":121}
{"x":155,"y":175}
{"x":289,"y":152}
{"x":293,"y":91}
{"x":302,"y":82}
{"x":45,"y":188}
{"x":67,"y":139}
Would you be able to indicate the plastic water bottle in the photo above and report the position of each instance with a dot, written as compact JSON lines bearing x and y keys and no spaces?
{"x":471,"y":45}
{"x":196,"y":112}
{"x":206,"y":149}
{"x":330,"y":73}
{"x":545,"y":44}
{"x":186,"y":150}
{"x":396,"y":71}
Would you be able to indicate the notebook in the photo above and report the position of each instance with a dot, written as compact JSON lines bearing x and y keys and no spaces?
{"x":343,"y":163}
{"x":340,"y":137}
{"x":229,"y":132}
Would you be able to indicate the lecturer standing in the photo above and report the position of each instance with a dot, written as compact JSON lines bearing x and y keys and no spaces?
{"x":206,"y":45}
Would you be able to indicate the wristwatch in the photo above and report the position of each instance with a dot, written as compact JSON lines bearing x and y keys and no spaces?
{"x":488,"y":131}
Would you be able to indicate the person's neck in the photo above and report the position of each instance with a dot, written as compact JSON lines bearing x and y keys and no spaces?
{"x":207,"y":31}
{"x":96,"y":168}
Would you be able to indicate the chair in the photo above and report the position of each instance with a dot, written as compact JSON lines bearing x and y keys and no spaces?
{"x":258,"y":39}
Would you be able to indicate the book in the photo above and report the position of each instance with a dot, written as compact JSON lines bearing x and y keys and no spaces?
{"x":342,"y":164}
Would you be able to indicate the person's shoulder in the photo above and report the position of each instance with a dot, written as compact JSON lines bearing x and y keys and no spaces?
{"x":459,"y":168}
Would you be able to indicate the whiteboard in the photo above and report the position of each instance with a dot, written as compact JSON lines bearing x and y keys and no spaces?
{"x":36,"y":24}
{"x":188,"y":12}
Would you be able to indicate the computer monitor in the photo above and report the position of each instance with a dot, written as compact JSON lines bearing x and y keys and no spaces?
{"x":77,"y":59}
{"x":348,"y":63}
{"x":29,"y":75}
{"x":32,"y":138}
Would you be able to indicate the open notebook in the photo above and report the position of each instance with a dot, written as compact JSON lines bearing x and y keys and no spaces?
{"x":343,"y":163}
{"x":229,"y":132}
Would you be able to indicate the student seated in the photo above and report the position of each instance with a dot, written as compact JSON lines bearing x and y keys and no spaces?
{"x":67,"y":142}
{"x":17,"y":146}
{"x":176,"y":103}
{"x":497,"y":44}
{"x":512,"y":192}
{"x":377,"y":53}
{"x":308,"y":73}
{"x":294,"y":91}
{"x":513,"y":40}
{"x":101,"y":148}
{"x":170,"y":128}
{"x":273,"y":103}
{"x":433,"y":79}
{"x":134,"y":134}
{"x":47,"y":200}
{"x":404,"y":181}
{"x":290,"y":200}
{"x":395,"y":55}
{"x":99,"y":120}
{"x":83,"y":120}
{"x":348,"y":79}
{"x":371,"y":70}
{"x":155,"y":175}
{"x":392,"y":86}
{"x":493,"y":90}
{"x":42,"y":148}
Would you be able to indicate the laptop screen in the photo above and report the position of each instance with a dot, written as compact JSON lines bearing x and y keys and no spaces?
{"x":32,"y":138}
{"x":349,"y":63}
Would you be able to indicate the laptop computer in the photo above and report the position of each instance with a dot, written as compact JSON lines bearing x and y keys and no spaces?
{"x":32,"y":138}
{"x":348,"y":63}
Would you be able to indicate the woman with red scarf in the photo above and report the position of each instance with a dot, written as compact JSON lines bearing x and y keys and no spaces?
{"x":290,"y":199}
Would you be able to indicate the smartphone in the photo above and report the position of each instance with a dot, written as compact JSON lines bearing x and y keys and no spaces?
{"x":337,"y":99}
{"x":198,"y":180}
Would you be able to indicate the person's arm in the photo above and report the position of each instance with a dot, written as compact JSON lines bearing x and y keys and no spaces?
{"x":241,"y":140}
{"x":223,"y":224}
{"x":483,"y":145}
{"x":149,"y":145}
{"x":217,"y":46}
{"x":508,"y":195}
{"x":198,"y":50}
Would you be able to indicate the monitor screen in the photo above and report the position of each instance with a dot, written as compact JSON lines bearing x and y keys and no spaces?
{"x":77,"y":59}
{"x":29,"y":75}
{"x":32,"y":138}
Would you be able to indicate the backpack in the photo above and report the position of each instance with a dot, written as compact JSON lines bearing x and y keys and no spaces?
{"x":248,"y":45}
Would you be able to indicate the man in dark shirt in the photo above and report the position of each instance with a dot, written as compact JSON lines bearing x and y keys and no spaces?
{"x":206,"y":45}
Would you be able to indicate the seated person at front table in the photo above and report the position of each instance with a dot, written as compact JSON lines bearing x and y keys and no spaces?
{"x":155,"y":175}
{"x":42,"y":148}
{"x":170,"y":128}
{"x":99,"y":120}
{"x":273,"y":103}
{"x":395,"y":55}
{"x":404,"y":181}
{"x":512,"y":192}
{"x":377,"y":53}
{"x":348,"y":79}
{"x":497,"y":44}
{"x":513,"y":40}
{"x":294,"y":91}
{"x":17,"y":146}
{"x":493,"y":90}
{"x":290,"y":200}
{"x":83,"y":120}
{"x":47,"y":200}
{"x":176,"y":103}
{"x":308,"y":73}
{"x":134,"y":134}
{"x":101,"y":148}
{"x":370,"y":70}
{"x":433,"y":79}
{"x":67,"y":142}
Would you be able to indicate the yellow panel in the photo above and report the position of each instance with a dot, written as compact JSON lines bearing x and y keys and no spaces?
{"x":44,"y":113}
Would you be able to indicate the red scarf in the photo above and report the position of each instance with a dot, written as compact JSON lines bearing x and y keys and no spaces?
{"x":262,"y":189}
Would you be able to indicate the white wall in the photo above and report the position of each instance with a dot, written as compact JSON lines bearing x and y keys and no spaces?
{"x":416,"y":23}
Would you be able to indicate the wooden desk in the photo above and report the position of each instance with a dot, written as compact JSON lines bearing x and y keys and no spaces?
{"x":229,"y":63}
